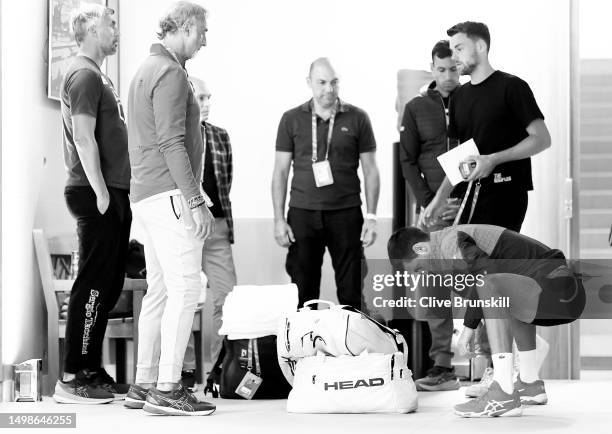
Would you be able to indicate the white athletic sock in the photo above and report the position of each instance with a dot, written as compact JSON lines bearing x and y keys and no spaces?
{"x":528,"y":366}
{"x":502,"y":365}
{"x":542,"y":348}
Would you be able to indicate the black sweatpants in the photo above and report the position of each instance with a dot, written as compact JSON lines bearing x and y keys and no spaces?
{"x":103,"y":245}
{"x":340,"y":232}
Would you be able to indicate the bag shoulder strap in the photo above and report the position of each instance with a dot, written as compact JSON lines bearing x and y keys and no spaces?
{"x":463,"y":203}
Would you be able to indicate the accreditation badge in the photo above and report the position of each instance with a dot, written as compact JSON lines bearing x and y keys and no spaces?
{"x":249,"y":385}
{"x":322,"y":173}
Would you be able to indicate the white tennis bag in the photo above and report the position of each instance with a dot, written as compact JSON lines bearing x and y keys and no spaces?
{"x":339,"y":330}
{"x":367,"y":383}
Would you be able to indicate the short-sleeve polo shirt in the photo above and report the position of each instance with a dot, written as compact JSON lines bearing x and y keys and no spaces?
{"x":352,"y":135}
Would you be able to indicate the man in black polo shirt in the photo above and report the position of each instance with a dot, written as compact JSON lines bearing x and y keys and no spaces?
{"x":326,"y":139}
{"x":96,"y":159}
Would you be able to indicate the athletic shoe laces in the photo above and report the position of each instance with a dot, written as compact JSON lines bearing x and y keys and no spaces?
{"x":487,"y":377}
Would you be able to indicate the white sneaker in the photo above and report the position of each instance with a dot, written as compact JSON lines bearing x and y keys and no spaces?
{"x":479,"y":389}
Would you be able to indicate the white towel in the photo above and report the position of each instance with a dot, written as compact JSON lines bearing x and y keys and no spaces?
{"x":252,"y":311}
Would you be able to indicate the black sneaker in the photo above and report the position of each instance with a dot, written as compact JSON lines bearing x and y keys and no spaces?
{"x":188,"y":379}
{"x":106,"y":382}
{"x":136,"y":397}
{"x":80,"y":390}
{"x":438,"y":378}
{"x":179,"y":402}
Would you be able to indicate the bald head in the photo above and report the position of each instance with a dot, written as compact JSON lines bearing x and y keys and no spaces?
{"x":321,"y":62}
{"x":324,"y":82}
{"x":202,"y":94}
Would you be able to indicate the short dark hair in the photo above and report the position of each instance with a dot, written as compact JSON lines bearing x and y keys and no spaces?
{"x":401,"y":242}
{"x":441,"y":50}
{"x":473,"y":30}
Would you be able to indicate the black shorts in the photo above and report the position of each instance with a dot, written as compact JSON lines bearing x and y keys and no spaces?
{"x":562,"y":301}
{"x":499,"y":206}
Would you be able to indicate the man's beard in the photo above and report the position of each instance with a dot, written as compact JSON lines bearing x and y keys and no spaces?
{"x":468,"y":67}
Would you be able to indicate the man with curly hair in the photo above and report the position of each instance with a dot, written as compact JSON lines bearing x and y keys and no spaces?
{"x":166,"y":148}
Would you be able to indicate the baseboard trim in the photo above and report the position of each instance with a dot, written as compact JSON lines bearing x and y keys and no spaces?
{"x":596,"y":363}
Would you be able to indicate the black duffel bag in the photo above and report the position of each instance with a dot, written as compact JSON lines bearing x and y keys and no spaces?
{"x":264,"y":363}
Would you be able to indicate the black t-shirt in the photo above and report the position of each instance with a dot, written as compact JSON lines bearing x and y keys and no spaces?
{"x":352,"y":135}
{"x":495,"y":113}
{"x":85,"y":90}
{"x":209,"y":183}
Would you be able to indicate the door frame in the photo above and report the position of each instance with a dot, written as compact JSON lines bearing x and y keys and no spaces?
{"x":574,"y":174}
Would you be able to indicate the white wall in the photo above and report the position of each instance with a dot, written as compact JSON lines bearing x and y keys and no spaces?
{"x":258,"y":54}
{"x":32,"y":174}
{"x":594,"y":24}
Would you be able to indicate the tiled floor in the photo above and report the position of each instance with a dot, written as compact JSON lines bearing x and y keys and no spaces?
{"x":583,"y":406}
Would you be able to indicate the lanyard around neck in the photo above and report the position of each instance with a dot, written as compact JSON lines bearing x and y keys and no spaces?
{"x":332,"y":119}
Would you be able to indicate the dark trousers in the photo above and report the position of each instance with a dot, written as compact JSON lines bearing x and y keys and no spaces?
{"x":340,"y":232}
{"x":103,"y":245}
{"x":503,"y":207}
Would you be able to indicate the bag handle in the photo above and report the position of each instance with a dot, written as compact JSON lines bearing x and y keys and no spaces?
{"x":330,"y":304}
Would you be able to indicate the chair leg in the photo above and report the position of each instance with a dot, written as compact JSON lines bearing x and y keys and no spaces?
{"x":137,"y":297}
{"x":121,"y":356}
{"x":54,"y":344}
{"x":197,"y":337}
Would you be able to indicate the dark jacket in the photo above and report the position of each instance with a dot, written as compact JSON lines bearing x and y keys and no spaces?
{"x":423,"y":138}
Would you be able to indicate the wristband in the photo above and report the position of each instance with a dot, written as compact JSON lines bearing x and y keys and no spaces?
{"x":198,"y":201}
{"x":370,"y":216}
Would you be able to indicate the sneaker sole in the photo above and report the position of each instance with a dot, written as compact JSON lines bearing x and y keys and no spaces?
{"x":444,"y":387}
{"x":73,"y":399}
{"x":515,"y":412}
{"x":169,"y":411}
{"x":133,"y":403}
{"x":541,"y":399}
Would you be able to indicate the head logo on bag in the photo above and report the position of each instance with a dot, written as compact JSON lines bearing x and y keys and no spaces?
{"x":343,"y":385}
